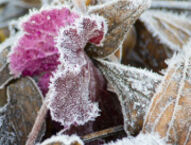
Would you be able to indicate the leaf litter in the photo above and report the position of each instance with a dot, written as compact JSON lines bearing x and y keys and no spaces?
{"x":135,"y":87}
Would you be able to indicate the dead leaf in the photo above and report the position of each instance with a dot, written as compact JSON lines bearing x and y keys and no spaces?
{"x":129,"y":43}
{"x":159,"y":35}
{"x":4,"y":70}
{"x":170,"y":111}
{"x":18,"y":115}
{"x":120,"y":15}
{"x":172,"y":29}
{"x":134,"y":87}
{"x":5,"y":76}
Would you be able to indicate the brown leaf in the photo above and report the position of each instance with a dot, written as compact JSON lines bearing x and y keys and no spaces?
{"x":170,"y":110}
{"x":134,"y":87}
{"x":120,"y":15}
{"x":159,"y":35}
{"x":171,"y":29}
{"x":4,"y":70}
{"x":128,"y":45}
{"x":18,"y":115}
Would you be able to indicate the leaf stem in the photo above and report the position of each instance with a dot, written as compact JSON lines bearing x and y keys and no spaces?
{"x":38,"y":124}
{"x":117,"y":130}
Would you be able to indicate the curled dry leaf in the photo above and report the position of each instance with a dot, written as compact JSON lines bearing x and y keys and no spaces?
{"x":159,"y":35}
{"x":134,"y":87}
{"x":169,"y":112}
{"x":129,"y":43}
{"x":171,"y":29}
{"x":120,"y":15}
{"x":63,"y":140}
{"x":18,"y":114}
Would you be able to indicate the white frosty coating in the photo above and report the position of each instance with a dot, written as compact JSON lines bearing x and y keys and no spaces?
{"x":8,"y":42}
{"x":167,"y":17}
{"x":141,"y":139}
{"x":70,"y":43}
{"x":4,"y":108}
{"x":14,"y":44}
{"x":64,"y":139}
{"x":133,"y":86}
{"x":133,"y":4}
{"x":182,"y":60}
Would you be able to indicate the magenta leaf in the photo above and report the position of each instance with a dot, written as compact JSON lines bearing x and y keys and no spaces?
{"x":35,"y":51}
{"x":70,"y":102}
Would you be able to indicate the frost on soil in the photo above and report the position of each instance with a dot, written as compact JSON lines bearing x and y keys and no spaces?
{"x":172,"y":29}
{"x":170,"y":111}
{"x":135,"y":87}
{"x":69,"y":95}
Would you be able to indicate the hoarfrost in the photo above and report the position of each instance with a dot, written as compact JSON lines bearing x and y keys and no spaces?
{"x":23,"y":98}
{"x":169,"y":113}
{"x":120,"y":15}
{"x":63,"y":139}
{"x":134,"y":87}
{"x":171,"y":29}
{"x":141,"y":139}
{"x":68,"y":94}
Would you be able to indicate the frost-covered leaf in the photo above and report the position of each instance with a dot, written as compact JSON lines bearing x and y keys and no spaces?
{"x":173,"y":30}
{"x":159,"y":35}
{"x":34,"y":52}
{"x":129,"y":44}
{"x":69,"y":100}
{"x":4,"y":70}
{"x":120,"y":56}
{"x":170,"y":111}
{"x":63,"y":140}
{"x":18,"y":114}
{"x":5,"y":76}
{"x":120,"y":15}
{"x":134,"y":87}
{"x":141,"y":139}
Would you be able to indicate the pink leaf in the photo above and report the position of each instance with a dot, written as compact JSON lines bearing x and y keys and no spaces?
{"x":35,"y":51}
{"x":69,"y":94}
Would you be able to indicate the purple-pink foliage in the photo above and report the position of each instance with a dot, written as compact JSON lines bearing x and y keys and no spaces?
{"x":52,"y":46}
{"x":35,"y":51}
{"x":70,"y":100}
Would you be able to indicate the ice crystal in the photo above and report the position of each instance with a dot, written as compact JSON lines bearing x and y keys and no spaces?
{"x":172,"y":29}
{"x":141,"y":139}
{"x":63,"y":139}
{"x":134,"y":87}
{"x":69,"y":100}
{"x":121,"y":15}
{"x":23,"y":98}
{"x":169,"y":113}
{"x":35,"y":50}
